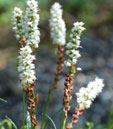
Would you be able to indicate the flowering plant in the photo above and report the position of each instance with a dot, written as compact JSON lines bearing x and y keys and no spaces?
{"x":27,"y":32}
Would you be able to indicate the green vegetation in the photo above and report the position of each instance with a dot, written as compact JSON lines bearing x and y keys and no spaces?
{"x":6,"y":7}
{"x":87,"y":10}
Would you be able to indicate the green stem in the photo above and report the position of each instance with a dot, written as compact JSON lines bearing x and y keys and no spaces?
{"x":62,"y":119}
{"x":35,"y":108}
{"x":70,"y":125}
{"x":46,"y":107}
{"x":23,"y":121}
{"x":35,"y":102}
{"x":64,"y":123}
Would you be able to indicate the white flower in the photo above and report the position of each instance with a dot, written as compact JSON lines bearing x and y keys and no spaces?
{"x":74,"y":43}
{"x":72,"y":53}
{"x":68,"y":63}
{"x":57,"y":25}
{"x":79,"y":69}
{"x":32,"y":33}
{"x":26,"y":66}
{"x":88,"y":94}
{"x":17,"y":21}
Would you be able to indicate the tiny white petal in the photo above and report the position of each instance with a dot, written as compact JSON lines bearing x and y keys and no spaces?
{"x":79,"y":69}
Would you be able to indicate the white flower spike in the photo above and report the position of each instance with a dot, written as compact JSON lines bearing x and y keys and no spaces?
{"x":32,"y":33}
{"x":57,"y":25}
{"x":17,"y":21}
{"x":74,"y":44}
{"x":88,"y":94}
{"x":26,"y":66}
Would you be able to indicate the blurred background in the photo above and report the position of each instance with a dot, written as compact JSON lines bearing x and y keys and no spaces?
{"x":96,"y":60}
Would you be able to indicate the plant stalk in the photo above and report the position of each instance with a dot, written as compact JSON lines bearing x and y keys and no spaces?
{"x":46,"y":108}
{"x":23,"y":120}
{"x":64,"y":123}
{"x":62,"y":119}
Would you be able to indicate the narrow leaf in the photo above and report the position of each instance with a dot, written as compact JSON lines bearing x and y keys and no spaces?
{"x":50,"y":120}
{"x":15,"y":127}
{"x":3,"y":100}
{"x":59,"y":110}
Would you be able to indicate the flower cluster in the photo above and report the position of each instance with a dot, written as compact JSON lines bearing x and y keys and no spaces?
{"x":26,"y":66}
{"x":18,"y":22}
{"x":88,"y":94}
{"x":85,"y":98}
{"x":58,"y":35}
{"x":27,"y":32}
{"x":74,"y":44}
{"x":32,"y":33}
{"x":26,"y":27}
{"x":57,"y":25}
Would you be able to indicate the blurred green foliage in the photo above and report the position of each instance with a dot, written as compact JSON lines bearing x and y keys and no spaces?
{"x":83,"y":9}
{"x":90,"y":125}
{"x":6,"y":7}
{"x":11,"y":125}
{"x":90,"y":11}
{"x":3,"y":124}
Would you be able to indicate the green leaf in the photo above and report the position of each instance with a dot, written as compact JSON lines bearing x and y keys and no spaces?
{"x":2,"y":127}
{"x":9,"y":124}
{"x":50,"y":120}
{"x":110,"y":121}
{"x":15,"y":127}
{"x":3,"y":100}
{"x":90,"y":125}
{"x":24,"y":127}
{"x":28,"y":121}
{"x":59,"y":110}
{"x":53,"y":115}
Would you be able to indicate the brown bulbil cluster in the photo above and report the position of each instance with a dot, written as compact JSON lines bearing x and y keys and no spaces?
{"x":77,"y":113}
{"x":60,"y":65}
{"x":31,"y":104}
{"x":67,"y":92}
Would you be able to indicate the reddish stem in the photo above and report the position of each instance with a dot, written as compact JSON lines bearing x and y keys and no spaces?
{"x":68,"y":89}
{"x":60,"y":65}
{"x":78,"y":112}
